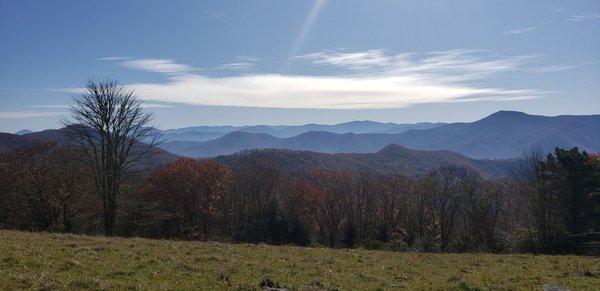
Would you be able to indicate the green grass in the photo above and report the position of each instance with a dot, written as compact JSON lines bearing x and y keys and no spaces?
{"x":58,"y":261}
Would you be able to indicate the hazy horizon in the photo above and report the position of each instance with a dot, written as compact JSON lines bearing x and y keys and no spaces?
{"x":334,"y":123}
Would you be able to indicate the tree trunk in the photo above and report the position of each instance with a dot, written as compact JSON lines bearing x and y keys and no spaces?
{"x":110,"y":219}
{"x":110,"y":213}
{"x":67,"y":224}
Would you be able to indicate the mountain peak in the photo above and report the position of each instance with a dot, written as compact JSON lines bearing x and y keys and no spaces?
{"x":393,"y":148}
{"x":505,"y":116}
{"x":508,"y":113}
{"x":23,"y":131}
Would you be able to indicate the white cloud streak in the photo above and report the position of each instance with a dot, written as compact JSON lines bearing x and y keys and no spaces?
{"x":373,"y":80}
{"x":240,"y":66}
{"x":239,"y":63}
{"x":552,"y":68}
{"x":27,"y":114}
{"x":50,"y":106}
{"x":332,"y":92}
{"x":354,"y":60}
{"x":155,"y":105}
{"x":165,"y":66}
{"x":113,"y":58}
{"x":453,"y":65}
{"x":521,"y":30}
{"x":582,"y":17}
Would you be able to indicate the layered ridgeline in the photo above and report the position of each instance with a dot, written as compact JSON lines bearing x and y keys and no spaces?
{"x":205,"y":133}
{"x":392,"y":159}
{"x":504,"y":134}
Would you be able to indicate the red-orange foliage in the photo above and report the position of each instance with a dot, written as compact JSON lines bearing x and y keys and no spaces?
{"x":43,"y":187}
{"x":335,"y":188}
{"x":302,"y":204}
{"x":188,"y":192}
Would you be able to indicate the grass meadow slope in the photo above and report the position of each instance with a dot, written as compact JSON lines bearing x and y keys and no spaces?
{"x":58,"y":261}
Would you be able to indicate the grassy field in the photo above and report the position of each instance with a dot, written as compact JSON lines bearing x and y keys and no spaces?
{"x":57,"y":261}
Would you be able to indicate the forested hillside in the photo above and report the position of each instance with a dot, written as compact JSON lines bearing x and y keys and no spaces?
{"x":393,"y":159}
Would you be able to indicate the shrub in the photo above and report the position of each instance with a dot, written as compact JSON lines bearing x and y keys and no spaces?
{"x":373,"y":245}
{"x":397,"y":245}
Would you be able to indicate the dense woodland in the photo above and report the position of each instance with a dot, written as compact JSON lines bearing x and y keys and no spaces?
{"x":550,"y":205}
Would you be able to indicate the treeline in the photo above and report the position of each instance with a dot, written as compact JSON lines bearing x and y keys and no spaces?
{"x":551,"y":205}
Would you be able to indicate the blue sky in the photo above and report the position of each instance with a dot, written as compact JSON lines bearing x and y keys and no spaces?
{"x":296,"y":62}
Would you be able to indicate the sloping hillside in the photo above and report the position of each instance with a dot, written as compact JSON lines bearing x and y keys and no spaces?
{"x":10,"y":142}
{"x":393,"y":159}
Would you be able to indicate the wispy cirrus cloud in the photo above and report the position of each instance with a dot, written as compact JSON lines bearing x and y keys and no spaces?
{"x":113,"y":58}
{"x":583,"y":17}
{"x":165,"y":66}
{"x":155,"y":105}
{"x":240,"y":63}
{"x":50,"y":106}
{"x":27,"y":114}
{"x":236,"y":66}
{"x":369,"y":79}
{"x":522,"y":30}
{"x":551,"y":68}
{"x":452,"y":65}
{"x":353,"y":60}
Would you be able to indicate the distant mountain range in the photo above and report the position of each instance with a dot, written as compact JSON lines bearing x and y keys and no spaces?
{"x":504,"y":134}
{"x":392,"y":159}
{"x":352,"y":147}
{"x":206,"y":133}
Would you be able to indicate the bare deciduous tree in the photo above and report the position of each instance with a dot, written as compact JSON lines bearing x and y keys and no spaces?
{"x":108,"y":123}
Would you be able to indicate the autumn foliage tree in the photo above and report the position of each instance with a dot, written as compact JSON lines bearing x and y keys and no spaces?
{"x":299,"y":210}
{"x":42,"y":187}
{"x":187,"y":194}
{"x":256,"y":187}
{"x":332,"y":205}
